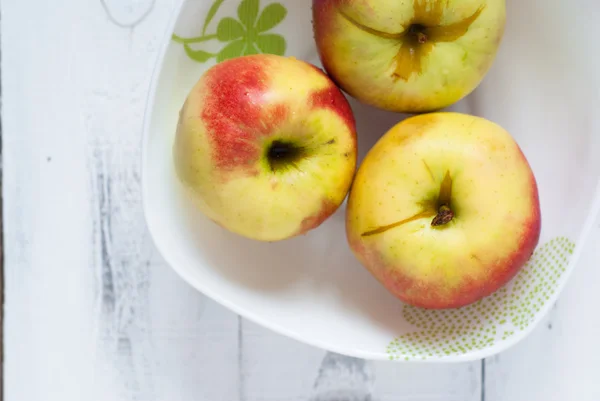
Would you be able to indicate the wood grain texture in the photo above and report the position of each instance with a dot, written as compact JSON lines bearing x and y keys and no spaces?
{"x":278,"y":368}
{"x":93,"y":313}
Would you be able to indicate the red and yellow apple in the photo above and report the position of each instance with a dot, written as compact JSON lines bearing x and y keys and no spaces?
{"x":266,"y":146}
{"x":408,"y":55}
{"x":444,"y":210}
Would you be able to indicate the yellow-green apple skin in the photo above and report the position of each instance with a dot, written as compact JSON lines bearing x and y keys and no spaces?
{"x":266,"y":146}
{"x":408,"y":56}
{"x":444,"y":210}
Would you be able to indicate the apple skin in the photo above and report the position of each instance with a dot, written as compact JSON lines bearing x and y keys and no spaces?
{"x":363,"y":64}
{"x":494,"y":197}
{"x":233,"y":116}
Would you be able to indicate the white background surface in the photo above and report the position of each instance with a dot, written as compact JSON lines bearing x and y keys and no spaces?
{"x":91,"y":310}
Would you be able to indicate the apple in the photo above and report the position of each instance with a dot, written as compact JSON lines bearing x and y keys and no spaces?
{"x":444,"y":210}
{"x":266,"y":146}
{"x":408,"y":56}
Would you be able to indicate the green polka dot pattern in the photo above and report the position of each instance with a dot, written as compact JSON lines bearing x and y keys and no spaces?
{"x":495,"y":318}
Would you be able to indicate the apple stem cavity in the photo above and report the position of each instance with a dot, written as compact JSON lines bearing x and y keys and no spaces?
{"x":282,"y":154}
{"x":418,"y":33}
{"x":443,"y":215}
{"x":419,"y":36}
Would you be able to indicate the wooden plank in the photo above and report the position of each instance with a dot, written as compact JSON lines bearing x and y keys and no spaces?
{"x":46,"y":200}
{"x":91,"y":311}
{"x":278,"y":368}
{"x":439,"y":382}
{"x":194,"y":344}
{"x":346,"y":378}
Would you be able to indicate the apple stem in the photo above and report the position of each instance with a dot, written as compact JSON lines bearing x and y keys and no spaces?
{"x":444,"y":216}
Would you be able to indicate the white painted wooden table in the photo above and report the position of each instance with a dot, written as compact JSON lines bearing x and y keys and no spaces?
{"x":93,"y":313}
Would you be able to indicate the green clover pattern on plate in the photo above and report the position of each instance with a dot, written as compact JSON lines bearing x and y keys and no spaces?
{"x":248,"y":34}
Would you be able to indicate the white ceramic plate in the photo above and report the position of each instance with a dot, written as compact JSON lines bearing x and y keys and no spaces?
{"x":543,"y":88}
